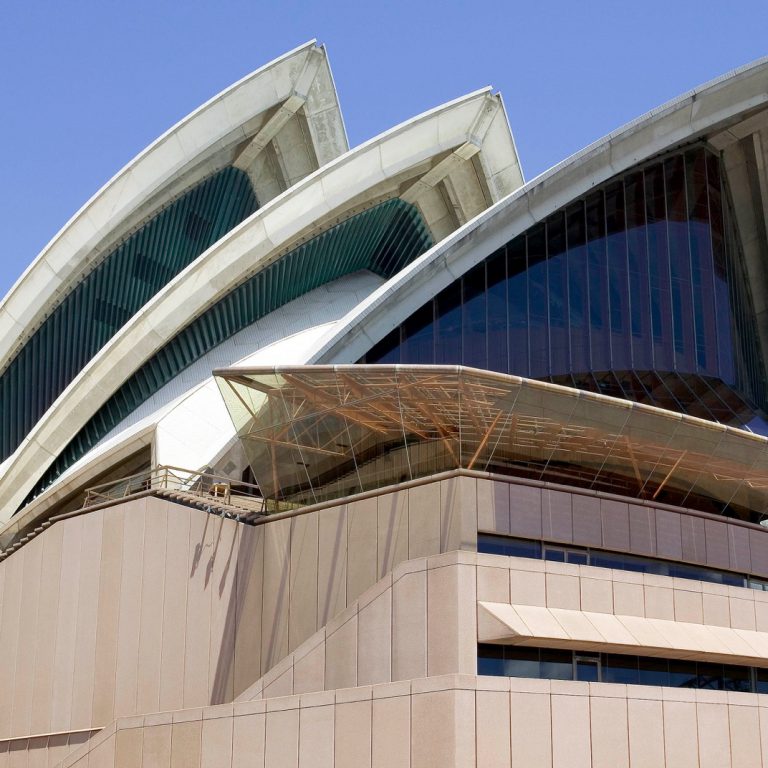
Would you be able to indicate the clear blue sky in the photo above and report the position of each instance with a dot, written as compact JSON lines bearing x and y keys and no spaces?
{"x":87,"y":84}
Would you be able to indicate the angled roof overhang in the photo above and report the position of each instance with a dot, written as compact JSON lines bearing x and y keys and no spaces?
{"x":389,"y":166}
{"x":530,"y":625}
{"x":314,"y":433}
{"x":735,"y":105}
{"x":288,"y":106}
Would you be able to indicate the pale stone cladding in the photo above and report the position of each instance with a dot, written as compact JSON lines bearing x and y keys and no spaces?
{"x":150,"y":633}
{"x":450,"y":720}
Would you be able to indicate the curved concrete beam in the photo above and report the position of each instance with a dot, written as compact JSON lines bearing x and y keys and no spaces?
{"x":710,"y":108}
{"x":320,"y":200}
{"x":208,"y":135}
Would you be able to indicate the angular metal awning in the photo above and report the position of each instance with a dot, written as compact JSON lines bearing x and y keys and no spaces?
{"x":321,"y":432}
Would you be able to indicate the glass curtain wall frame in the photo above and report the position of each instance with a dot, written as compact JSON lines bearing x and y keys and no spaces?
{"x":316,"y":433}
{"x":636,"y":290}
{"x":627,"y":669}
{"x":382,"y":239}
{"x":113,"y":292}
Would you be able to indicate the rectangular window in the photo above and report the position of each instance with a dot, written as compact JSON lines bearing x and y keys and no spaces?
{"x":538,"y":303}
{"x":587,"y":666}
{"x":556,"y":664}
{"x":618,"y":668}
{"x":658,"y":267}
{"x":496,"y":323}
{"x":418,"y":337}
{"x":490,"y":660}
{"x":616,"y":241}
{"x":624,"y":669}
{"x":557,"y":291}
{"x":448,"y":324}
{"x":509,"y":546}
{"x":653,"y":671}
{"x":597,"y":260}
{"x":517,"y":303}
{"x":475,"y":352}
{"x":521,"y":662}
{"x":578,"y":287}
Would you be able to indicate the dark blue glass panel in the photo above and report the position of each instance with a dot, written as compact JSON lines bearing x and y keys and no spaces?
{"x":492,"y":545}
{"x":709,"y":676}
{"x":680,"y":264}
{"x":639,"y":278}
{"x":658,"y":268}
{"x":496,"y":276}
{"x":538,"y":303}
{"x":682,"y":674}
{"x":702,"y":272}
{"x":618,"y":562}
{"x":597,"y":258}
{"x":448,"y":347}
{"x":490,"y":660}
{"x":418,"y":336}
{"x":618,"y":284}
{"x":557,"y":292}
{"x":521,"y":662}
{"x":474,"y":330}
{"x":652,"y":671}
{"x":587,"y":670}
{"x":618,"y":668}
{"x":556,"y":664}
{"x":389,"y":349}
{"x":737,"y":679}
{"x":578,"y":288}
{"x":504,"y":545}
{"x":722,"y":303}
{"x":517,"y":299}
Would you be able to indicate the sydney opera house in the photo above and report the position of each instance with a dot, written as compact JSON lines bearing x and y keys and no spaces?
{"x":317,"y":456}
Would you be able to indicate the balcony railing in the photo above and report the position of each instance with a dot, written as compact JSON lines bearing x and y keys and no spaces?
{"x":231,"y":498}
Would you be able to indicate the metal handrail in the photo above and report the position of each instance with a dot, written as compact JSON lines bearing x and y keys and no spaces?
{"x":218,"y":489}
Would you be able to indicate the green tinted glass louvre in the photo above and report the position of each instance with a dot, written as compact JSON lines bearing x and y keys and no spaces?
{"x":89,"y":316}
{"x":382,"y":239}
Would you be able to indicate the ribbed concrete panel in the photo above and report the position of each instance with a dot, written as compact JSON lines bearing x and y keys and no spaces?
{"x":111,"y":294}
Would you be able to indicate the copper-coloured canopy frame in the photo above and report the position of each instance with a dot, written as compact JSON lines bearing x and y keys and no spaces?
{"x":320,"y":432}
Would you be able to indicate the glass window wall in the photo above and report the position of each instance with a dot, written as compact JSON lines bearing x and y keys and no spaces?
{"x":591,"y":667}
{"x":512,"y":547}
{"x":115,"y":290}
{"x":637,"y":291}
